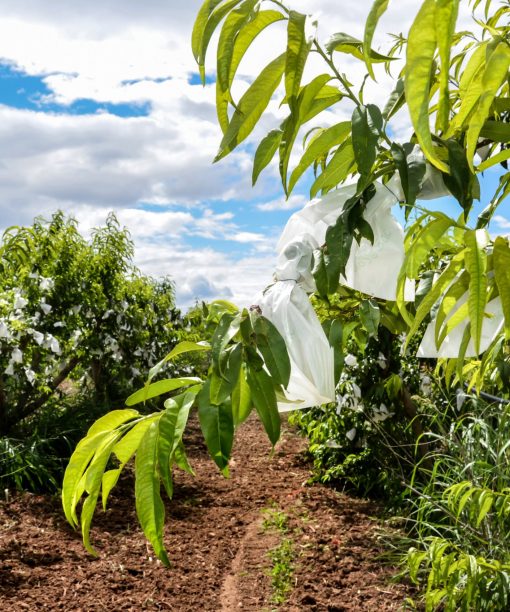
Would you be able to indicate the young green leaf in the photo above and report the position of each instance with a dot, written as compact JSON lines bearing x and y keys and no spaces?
{"x":476,"y":265}
{"x":501,"y":262}
{"x":377,"y":10}
{"x":264,"y":399}
{"x":298,"y":47}
{"x":272,"y":347}
{"x":366,"y":129}
{"x":159,"y":388}
{"x":421,"y":47}
{"x":265,"y":153}
{"x":217,"y":425}
{"x":411,"y":173}
{"x":445,"y":19}
{"x":149,"y":505}
{"x":319,"y":147}
{"x":241,"y":399}
{"x":341,"y":164}
{"x":183,"y":347}
{"x":395,"y":101}
{"x":251,"y":106}
{"x":370,"y":315}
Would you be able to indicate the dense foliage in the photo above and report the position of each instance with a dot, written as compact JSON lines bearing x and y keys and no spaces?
{"x":396,"y":420}
{"x":78,"y":323}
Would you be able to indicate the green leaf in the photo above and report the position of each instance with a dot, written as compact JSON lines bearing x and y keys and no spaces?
{"x":461,"y":182}
{"x":495,"y":74}
{"x":209,"y":16}
{"x":231,"y":26}
{"x":241,"y":399}
{"x":112,"y":420}
{"x":219,"y":390}
{"x":149,"y":505}
{"x":127,"y":445}
{"x":395,"y":101}
{"x":336,"y":254}
{"x":445,"y":19}
{"x":448,"y":302}
{"x":501,"y":262}
{"x":421,"y":47}
{"x":251,"y":106}
{"x":93,"y":478}
{"x":495,"y":159}
{"x":159,"y":388}
{"x":171,"y":427}
{"x":78,"y":463}
{"x":444,"y":280}
{"x":341,"y":164}
{"x":378,"y":9}
{"x":366,"y":129}
{"x":226,"y":329}
{"x":242,"y":42}
{"x":272,"y":347}
{"x":265,"y":153}
{"x":181,"y":459}
{"x":110,"y":478}
{"x":298,"y":47}
{"x":335,"y":337}
{"x":319,"y":147}
{"x":476,"y":265}
{"x":217,"y":425}
{"x":319,"y":272}
{"x":264,"y":399}
{"x":370,"y":315}
{"x":345,"y":43}
{"x":179,"y":349}
{"x":411,"y":173}
{"x":426,"y":240}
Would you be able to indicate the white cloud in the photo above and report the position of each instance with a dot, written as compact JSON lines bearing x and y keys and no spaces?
{"x":294,"y":201}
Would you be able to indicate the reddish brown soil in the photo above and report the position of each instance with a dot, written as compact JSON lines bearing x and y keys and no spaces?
{"x":215,"y":538}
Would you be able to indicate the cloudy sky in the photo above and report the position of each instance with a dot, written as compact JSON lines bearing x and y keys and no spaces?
{"x":101,"y":110}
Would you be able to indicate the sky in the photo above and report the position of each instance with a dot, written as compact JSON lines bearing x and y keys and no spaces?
{"x":101,"y":110}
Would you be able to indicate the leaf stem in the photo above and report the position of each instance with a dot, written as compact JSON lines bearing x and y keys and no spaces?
{"x":350,"y":94}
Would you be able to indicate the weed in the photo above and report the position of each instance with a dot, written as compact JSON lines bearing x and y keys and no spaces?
{"x":282,"y":569}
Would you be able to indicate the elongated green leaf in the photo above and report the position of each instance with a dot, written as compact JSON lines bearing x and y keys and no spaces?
{"x":299,"y":115}
{"x":110,"y":478}
{"x":217,"y":425}
{"x":445,"y":19}
{"x":341,"y":164}
{"x":252,"y":105}
{"x":366,"y":129}
{"x":476,"y":265}
{"x":181,"y":459}
{"x":210,"y":15}
{"x":231,"y":26}
{"x":411,"y":173}
{"x":442,"y":283}
{"x":93,"y":478}
{"x":319,"y":147}
{"x":158,"y":388}
{"x":378,"y":9}
{"x":219,"y":390}
{"x":179,"y":349}
{"x":242,"y":42}
{"x":495,"y":74}
{"x":495,"y":159}
{"x":461,"y":182}
{"x":149,"y":505}
{"x":370,"y":315}
{"x":227,"y":328}
{"x":501,"y":262}
{"x":449,"y":301}
{"x":265,"y":153}
{"x":345,"y":43}
{"x":338,"y":248}
{"x":272,"y":348}
{"x":112,"y":420}
{"x":395,"y":101}
{"x":241,"y":399}
{"x":171,"y":427}
{"x":421,"y":47}
{"x":127,"y":445}
{"x":298,"y":46}
{"x":264,"y":398}
{"x":425,"y":242}
{"x":319,"y":272}
{"x":78,"y":463}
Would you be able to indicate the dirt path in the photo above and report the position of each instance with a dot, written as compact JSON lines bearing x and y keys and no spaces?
{"x":218,"y":534}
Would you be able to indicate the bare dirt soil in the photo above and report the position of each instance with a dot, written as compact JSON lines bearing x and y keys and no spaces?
{"x":218,"y":539}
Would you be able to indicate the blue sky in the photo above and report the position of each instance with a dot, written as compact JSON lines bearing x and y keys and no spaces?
{"x":101,"y":109}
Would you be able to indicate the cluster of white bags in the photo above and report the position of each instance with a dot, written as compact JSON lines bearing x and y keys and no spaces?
{"x":372,"y":269}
